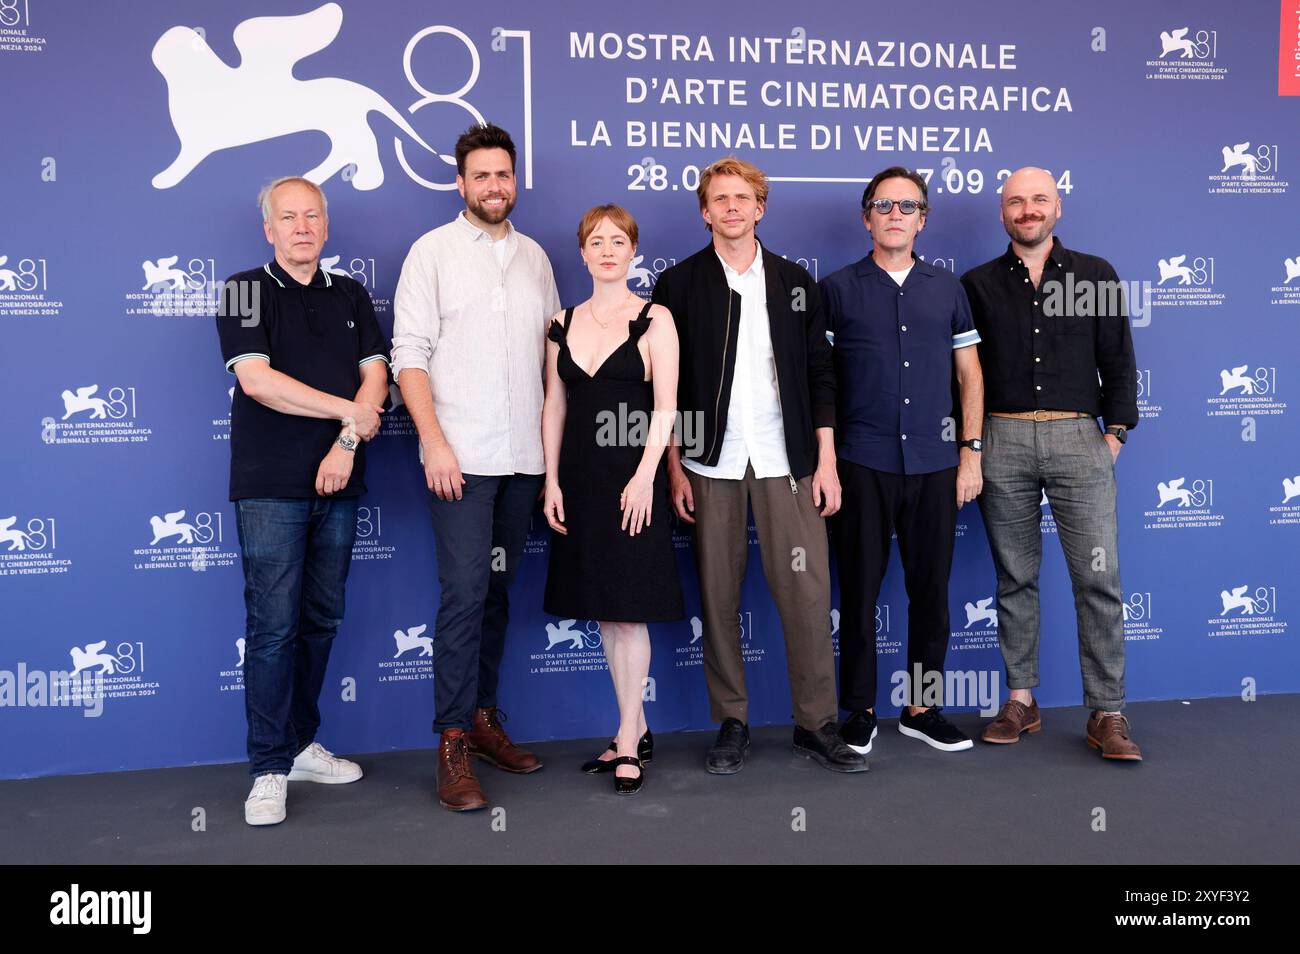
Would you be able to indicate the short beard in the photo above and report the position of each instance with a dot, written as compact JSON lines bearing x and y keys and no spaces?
{"x":1014,"y":231}
{"x":491,"y":218}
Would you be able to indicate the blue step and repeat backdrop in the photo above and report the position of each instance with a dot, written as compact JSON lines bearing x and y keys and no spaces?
{"x":137,"y":135}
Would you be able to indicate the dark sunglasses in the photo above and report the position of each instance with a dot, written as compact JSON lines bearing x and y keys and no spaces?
{"x":885,"y":206}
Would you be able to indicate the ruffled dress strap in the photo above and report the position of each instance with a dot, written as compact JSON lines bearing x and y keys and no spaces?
{"x":557,"y":332}
{"x":638,"y":325}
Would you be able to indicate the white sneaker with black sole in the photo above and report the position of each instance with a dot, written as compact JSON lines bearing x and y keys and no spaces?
{"x":934,"y":730}
{"x":859,"y":731}
{"x":318,"y":764}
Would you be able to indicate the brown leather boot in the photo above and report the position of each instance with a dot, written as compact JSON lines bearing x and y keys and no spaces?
{"x":488,"y":740}
{"x":1109,"y":732}
{"x":1013,"y":719}
{"x":458,"y":789}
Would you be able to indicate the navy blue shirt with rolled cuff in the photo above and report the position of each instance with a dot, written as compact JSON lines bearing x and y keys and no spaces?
{"x":320,"y":334}
{"x":893,"y":348}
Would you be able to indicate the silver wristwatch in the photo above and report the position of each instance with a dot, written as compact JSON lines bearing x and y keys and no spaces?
{"x":348,"y":442}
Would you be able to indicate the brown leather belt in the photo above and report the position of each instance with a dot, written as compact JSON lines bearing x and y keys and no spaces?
{"x":1039,"y":416}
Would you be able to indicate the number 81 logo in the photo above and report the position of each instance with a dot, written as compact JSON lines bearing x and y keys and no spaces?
{"x":14,"y":12}
{"x":29,"y":277}
{"x":457,"y":97}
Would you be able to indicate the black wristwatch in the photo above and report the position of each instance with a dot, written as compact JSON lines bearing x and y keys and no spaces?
{"x":1119,"y":432}
{"x":974,"y":444}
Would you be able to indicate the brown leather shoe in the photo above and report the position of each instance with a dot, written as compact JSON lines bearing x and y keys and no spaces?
{"x":1013,"y":719}
{"x":488,"y":740}
{"x":458,"y":789}
{"x":1109,"y":732}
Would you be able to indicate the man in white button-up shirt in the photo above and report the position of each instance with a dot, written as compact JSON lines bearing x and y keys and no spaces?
{"x":469,"y":349}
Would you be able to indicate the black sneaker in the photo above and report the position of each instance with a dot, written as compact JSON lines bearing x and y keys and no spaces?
{"x":727,"y":757}
{"x":827,"y":749}
{"x":859,"y":730}
{"x":933,"y":729}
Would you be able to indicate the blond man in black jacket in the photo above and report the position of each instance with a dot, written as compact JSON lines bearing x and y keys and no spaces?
{"x":757,"y":397}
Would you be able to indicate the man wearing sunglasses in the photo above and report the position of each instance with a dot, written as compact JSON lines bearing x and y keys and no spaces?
{"x":901,"y":328}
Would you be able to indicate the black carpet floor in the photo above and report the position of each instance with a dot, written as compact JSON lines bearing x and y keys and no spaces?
{"x":1217,"y":785}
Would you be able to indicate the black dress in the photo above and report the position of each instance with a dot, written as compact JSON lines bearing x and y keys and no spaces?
{"x":598,"y":570}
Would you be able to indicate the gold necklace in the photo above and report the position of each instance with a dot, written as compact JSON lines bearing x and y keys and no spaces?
{"x":605,"y":324}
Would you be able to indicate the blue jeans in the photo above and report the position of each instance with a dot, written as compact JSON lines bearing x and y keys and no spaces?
{"x":479,"y":541}
{"x":296,"y":555}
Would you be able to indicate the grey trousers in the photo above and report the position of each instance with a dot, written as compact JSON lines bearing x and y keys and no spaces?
{"x":1071,"y":460}
{"x":796,"y":561}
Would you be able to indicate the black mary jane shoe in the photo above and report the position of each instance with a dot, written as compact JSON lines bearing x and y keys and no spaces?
{"x":645,"y":751}
{"x":628,"y":786}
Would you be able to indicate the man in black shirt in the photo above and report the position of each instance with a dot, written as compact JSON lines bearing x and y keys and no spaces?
{"x":311,"y":365}
{"x":1057,"y":353}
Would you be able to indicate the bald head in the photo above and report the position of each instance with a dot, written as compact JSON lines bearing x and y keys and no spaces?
{"x":1030,"y":179}
{"x":1030,"y":206}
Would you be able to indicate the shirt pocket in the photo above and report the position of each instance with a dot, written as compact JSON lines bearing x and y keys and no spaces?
{"x":1071,"y":325}
{"x":1067,"y":308}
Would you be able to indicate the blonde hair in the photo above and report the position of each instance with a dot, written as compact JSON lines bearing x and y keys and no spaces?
{"x":618,"y":216}
{"x":732,"y":166}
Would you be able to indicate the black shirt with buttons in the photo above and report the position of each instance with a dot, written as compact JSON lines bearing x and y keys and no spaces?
{"x":1063,"y":346}
{"x":320,"y":334}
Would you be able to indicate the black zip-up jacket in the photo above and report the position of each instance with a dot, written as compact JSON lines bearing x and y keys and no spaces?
{"x":707,"y":315}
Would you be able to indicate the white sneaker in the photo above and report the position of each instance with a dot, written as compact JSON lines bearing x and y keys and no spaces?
{"x":318,"y":764}
{"x":265,"y":803}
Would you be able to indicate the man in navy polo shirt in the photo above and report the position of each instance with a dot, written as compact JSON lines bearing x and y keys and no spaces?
{"x":312,"y":374}
{"x":900,"y":329}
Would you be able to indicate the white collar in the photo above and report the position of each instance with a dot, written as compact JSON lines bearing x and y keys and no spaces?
{"x":477,"y":234}
{"x":755,"y":267}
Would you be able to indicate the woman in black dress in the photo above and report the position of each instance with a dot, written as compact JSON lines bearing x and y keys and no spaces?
{"x":611,"y":398}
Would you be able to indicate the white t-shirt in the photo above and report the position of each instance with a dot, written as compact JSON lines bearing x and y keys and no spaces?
{"x":900,"y":277}
{"x":499,"y":250}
